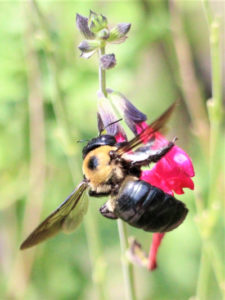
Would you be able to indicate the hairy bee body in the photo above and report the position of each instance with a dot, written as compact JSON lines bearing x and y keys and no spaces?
{"x":135,"y":201}
{"x":145,"y":206}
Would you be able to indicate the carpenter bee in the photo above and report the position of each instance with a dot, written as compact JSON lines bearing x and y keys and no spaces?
{"x":113,"y":169}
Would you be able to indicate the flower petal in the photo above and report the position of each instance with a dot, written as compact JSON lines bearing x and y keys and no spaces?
{"x":156,"y":241}
{"x":131,"y":114}
{"x":106,"y":116}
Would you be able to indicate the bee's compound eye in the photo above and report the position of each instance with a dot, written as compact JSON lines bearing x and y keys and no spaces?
{"x":93,"y":163}
{"x":112,"y":154}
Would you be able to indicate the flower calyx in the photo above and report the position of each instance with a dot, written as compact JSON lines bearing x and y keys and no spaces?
{"x":118,"y":33}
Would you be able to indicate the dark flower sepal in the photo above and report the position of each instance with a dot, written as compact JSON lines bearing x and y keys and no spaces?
{"x":88,"y":47}
{"x":131,"y":114}
{"x":82,"y":24}
{"x":106,"y":116}
{"x":118,"y":33}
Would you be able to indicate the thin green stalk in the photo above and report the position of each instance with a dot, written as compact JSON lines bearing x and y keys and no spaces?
{"x":215,"y":106}
{"x":210,"y":255}
{"x":97,"y":258}
{"x":217,"y":265}
{"x":122,"y":227}
{"x":127,"y":266}
{"x":91,"y":226}
{"x":188,"y":80}
{"x":203,"y":278}
{"x":102,"y":74}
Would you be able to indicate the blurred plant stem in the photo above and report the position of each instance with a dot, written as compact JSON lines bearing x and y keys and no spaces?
{"x":122,"y":227}
{"x":214,"y":205}
{"x":102,"y":74}
{"x":37,"y":165}
{"x":128,"y":272}
{"x":188,"y":79}
{"x":91,"y":226}
{"x":208,"y":210}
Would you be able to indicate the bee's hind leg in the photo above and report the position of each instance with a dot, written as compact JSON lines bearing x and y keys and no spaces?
{"x":104,"y":210}
{"x":154,"y":157}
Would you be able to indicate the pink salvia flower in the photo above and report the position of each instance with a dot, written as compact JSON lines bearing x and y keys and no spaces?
{"x":172,"y":173}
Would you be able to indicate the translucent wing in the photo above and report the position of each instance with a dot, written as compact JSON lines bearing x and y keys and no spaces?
{"x":55,"y":221}
{"x":147,"y":135}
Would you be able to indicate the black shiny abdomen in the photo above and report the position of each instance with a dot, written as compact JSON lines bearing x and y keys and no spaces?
{"x":144,"y":206}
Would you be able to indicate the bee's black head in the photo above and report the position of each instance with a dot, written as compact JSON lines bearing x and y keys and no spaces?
{"x":101,"y":140}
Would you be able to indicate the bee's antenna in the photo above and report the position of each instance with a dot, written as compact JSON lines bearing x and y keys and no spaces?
{"x":81,"y":141}
{"x":113,"y":123}
{"x":100,"y":133}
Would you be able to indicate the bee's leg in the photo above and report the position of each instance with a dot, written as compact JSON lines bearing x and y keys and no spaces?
{"x":95,"y":194}
{"x":154,"y":157}
{"x":104,"y":210}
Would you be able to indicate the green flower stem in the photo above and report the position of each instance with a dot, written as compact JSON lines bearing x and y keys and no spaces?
{"x":91,"y":227}
{"x":187,"y":78}
{"x":202,"y":285}
{"x":210,"y":253}
{"x":215,"y":107}
{"x":122,"y":227}
{"x":96,"y":255}
{"x":102,"y":73}
{"x":128,"y":272}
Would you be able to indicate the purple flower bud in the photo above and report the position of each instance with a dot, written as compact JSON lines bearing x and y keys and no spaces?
{"x":131,"y":114}
{"x":118,"y":33}
{"x":123,"y":28}
{"x":88,"y":47}
{"x":82,"y":24}
{"x":108,"y":61}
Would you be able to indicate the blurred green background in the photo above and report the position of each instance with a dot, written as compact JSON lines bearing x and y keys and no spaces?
{"x":48,"y":102}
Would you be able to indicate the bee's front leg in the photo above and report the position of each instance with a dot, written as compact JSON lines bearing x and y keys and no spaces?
{"x":97,"y":194}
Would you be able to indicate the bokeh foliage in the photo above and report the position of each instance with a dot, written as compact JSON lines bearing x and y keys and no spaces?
{"x":148,"y":74}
